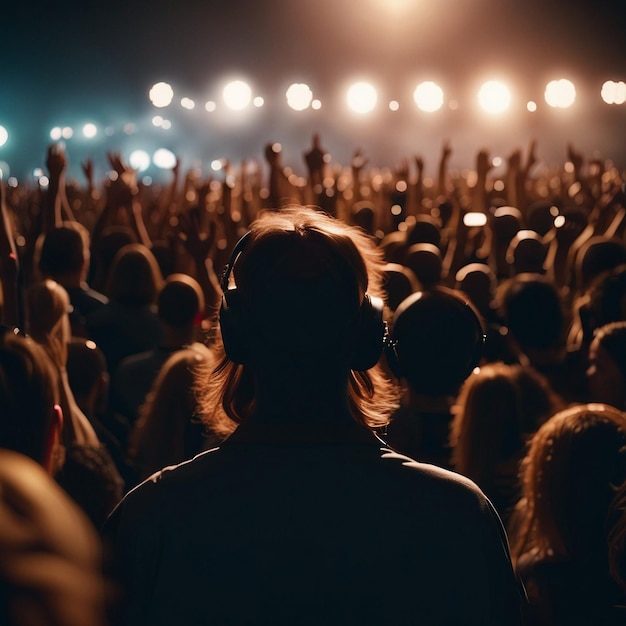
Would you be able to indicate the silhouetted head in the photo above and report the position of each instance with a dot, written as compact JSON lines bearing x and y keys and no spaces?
{"x":607,"y":365}
{"x":181,"y":301}
{"x":427,"y":229}
{"x":507,"y":220}
{"x":426,"y":262}
{"x":527,"y":253}
{"x":399,"y":283}
{"x":64,"y":251}
{"x":436,"y":341}
{"x":596,"y":256}
{"x":478,"y":282}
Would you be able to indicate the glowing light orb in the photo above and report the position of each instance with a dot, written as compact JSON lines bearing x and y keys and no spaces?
{"x":216,"y":165}
{"x":161,"y":94}
{"x":43,"y":181}
{"x":531,"y":106}
{"x":428,"y":96}
{"x":164,"y":158}
{"x":258,"y":102}
{"x":560,"y":94}
{"x":139,"y":160}
{"x":129,"y":128}
{"x":4,"y":169}
{"x":166,"y":124}
{"x":90,"y":130}
{"x":157,"y":120}
{"x":67,"y":132}
{"x":474,"y":219}
{"x":614,"y":92}
{"x":394,"y":105}
{"x":237,"y":95}
{"x":316,"y":105}
{"x":362,"y":97}
{"x":187,"y":103}
{"x":494,"y":97}
{"x":12,"y":182}
{"x":56,"y":133}
{"x":299,"y":96}
{"x":210,"y":106}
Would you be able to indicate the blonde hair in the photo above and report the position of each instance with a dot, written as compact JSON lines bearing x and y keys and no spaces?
{"x":346,"y":256}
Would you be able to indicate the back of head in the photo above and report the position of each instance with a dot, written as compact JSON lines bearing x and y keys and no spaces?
{"x":596,"y":256}
{"x":425,"y":230}
{"x":437,"y":339}
{"x":400,"y":283}
{"x":574,"y":462}
{"x":478,"y":281}
{"x":28,"y":393}
{"x":612,"y":337}
{"x":426,"y":262}
{"x":135,"y":278}
{"x":532,"y":312}
{"x":49,"y":553}
{"x":62,"y":252}
{"x":607,"y":298}
{"x":180,"y":301}
{"x":507,"y":220}
{"x":527,"y":253}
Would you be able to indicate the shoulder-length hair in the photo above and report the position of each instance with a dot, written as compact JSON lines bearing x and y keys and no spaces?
{"x":352,"y":260}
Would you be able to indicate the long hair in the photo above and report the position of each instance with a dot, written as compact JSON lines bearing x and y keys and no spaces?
{"x":343,"y":256}
{"x":574,"y":464}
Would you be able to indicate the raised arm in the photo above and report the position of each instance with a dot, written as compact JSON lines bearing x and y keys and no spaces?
{"x":9,"y":268}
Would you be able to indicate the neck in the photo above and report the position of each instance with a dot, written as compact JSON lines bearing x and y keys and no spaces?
{"x":302,"y":395}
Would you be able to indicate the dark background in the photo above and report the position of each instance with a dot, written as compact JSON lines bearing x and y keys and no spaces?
{"x":65,"y":63}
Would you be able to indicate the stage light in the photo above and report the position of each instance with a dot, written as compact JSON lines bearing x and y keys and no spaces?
{"x":496,"y":161}
{"x":139,"y":160}
{"x":67,"y":132}
{"x":474,"y":219}
{"x":237,"y":95}
{"x":316,"y":105}
{"x":161,"y":94}
{"x":613,"y":92}
{"x":164,"y":158}
{"x":216,"y":165}
{"x":4,"y":135}
{"x":258,"y":102}
{"x":394,"y":105}
{"x":56,"y":133}
{"x":362,"y":97}
{"x":299,"y":96}
{"x":494,"y":97}
{"x":187,"y":103}
{"x":90,"y":130}
{"x":531,"y":106}
{"x":210,"y":106}
{"x":560,"y":94}
{"x":428,"y":96}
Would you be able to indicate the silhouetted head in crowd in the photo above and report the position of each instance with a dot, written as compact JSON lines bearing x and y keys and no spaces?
{"x":607,"y":365}
{"x":30,"y":417}
{"x":436,"y":341}
{"x":64,"y":254}
{"x":506,"y":222}
{"x":426,"y":229}
{"x":596,"y":256}
{"x":575,"y":461}
{"x":527,"y":253}
{"x":399,"y":283}
{"x":181,"y":301}
{"x":532,"y":312}
{"x":426,"y":262}
{"x":301,"y":328}
{"x":87,"y":374}
{"x":541,"y":216}
{"x":478,"y":282}
{"x":135,"y":278}
{"x":393,"y":246}
{"x":364,"y":216}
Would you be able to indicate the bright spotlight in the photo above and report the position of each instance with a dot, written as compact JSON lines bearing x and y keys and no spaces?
{"x":161,"y":95}
{"x":164,"y":158}
{"x":67,"y":132}
{"x":258,"y":102}
{"x":237,"y":95}
{"x":56,"y":133}
{"x":394,"y":105}
{"x":139,"y":160}
{"x":216,"y":165}
{"x":299,"y":96}
{"x":90,"y":130}
{"x":210,"y":106}
{"x":531,"y":106}
{"x":428,"y":96}
{"x":494,"y":97}
{"x":560,"y":94}
{"x":614,"y":92}
{"x":187,"y":103}
{"x":362,"y":97}
{"x":316,"y":105}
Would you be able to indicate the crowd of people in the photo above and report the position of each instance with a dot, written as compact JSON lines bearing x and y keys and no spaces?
{"x":329,"y":399}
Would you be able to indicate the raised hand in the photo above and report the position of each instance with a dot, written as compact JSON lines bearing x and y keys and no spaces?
{"x":55,"y":161}
{"x":316,"y":157}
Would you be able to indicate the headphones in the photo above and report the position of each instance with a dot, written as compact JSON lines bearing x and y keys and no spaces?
{"x":368,"y":332}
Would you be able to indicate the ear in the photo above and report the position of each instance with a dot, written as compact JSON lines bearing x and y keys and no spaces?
{"x":54,"y":439}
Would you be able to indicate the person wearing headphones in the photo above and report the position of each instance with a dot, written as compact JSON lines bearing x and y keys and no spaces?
{"x":303,"y":515}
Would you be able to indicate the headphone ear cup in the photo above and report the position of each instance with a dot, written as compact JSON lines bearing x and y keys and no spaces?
{"x":369,"y":336}
{"x":232,"y":327}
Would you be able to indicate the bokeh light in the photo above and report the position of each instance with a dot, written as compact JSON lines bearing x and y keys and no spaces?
{"x":316,"y":105}
{"x":187,"y":103}
{"x":139,"y":160}
{"x":494,"y":97}
{"x":166,"y":124}
{"x":67,"y":132}
{"x":394,"y":105}
{"x":299,"y":96}
{"x":157,"y":120}
{"x":428,"y":96}
{"x":4,"y":135}
{"x":560,"y":94}
{"x":237,"y":95}
{"x":613,"y":92}
{"x":210,"y":106}
{"x":56,"y":133}
{"x":161,"y":94}
{"x":90,"y":130}
{"x":258,"y":102}
{"x":531,"y":106}
{"x":164,"y":159}
{"x":362,"y":97}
